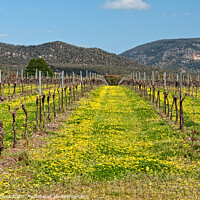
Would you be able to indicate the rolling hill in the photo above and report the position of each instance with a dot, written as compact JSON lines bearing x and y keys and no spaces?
{"x":172,"y":54}
{"x":60,"y":55}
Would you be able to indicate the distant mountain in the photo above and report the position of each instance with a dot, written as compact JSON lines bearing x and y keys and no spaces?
{"x":61,"y":55}
{"x":173,"y":53}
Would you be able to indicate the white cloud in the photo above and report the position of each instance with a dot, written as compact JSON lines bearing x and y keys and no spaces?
{"x":4,"y":35}
{"x":126,"y":5}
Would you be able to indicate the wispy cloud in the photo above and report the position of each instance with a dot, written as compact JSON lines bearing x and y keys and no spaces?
{"x":4,"y":35}
{"x":49,"y":31}
{"x":187,"y":14}
{"x":126,"y":5}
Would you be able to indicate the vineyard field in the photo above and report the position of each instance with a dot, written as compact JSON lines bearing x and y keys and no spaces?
{"x":113,"y":145}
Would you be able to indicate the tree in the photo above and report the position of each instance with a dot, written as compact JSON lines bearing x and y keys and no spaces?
{"x":39,"y":64}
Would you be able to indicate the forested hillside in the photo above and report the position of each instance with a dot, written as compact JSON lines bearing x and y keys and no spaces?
{"x":174,"y":54}
{"x":60,"y":55}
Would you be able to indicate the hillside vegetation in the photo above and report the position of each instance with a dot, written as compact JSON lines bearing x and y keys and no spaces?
{"x":60,"y":55}
{"x":174,"y":54}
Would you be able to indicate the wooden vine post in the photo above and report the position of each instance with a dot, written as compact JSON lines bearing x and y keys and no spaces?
{"x":36,"y":78}
{"x":144,"y":83}
{"x":81,"y":77}
{"x":43,"y":104}
{"x":90,"y":80}
{"x":14,"y":121}
{"x":37,"y":105}
{"x":153,"y":87}
{"x":74,"y":95}
{"x":1,"y":137}
{"x":86,"y":78}
{"x":22,"y":81}
{"x":62,"y":89}
{"x":181,"y":102}
{"x":165,"y":94}
{"x":40,"y":93}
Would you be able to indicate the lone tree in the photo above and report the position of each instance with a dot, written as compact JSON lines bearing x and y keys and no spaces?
{"x":39,"y":64}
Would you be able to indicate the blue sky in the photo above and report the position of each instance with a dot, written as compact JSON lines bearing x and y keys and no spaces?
{"x":112,"y":25}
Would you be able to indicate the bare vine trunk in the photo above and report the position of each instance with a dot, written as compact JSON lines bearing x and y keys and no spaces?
{"x":1,"y":137}
{"x":14,"y":113}
{"x":44,"y":108}
{"x":37,"y":104}
{"x":49,"y":109}
{"x":26,"y":120}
